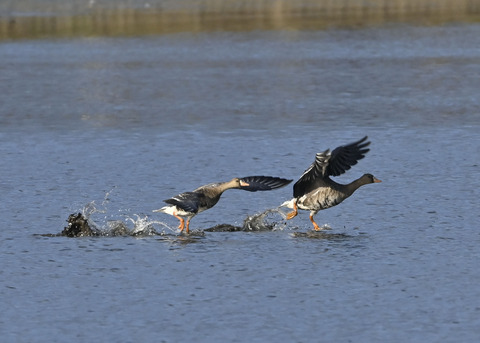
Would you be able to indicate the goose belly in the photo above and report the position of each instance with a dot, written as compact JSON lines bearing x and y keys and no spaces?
{"x":320,"y":199}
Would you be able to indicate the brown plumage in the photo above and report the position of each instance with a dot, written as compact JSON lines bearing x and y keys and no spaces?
{"x":315,"y":191}
{"x":189,"y":204}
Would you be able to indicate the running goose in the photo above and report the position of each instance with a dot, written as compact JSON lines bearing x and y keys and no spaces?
{"x":315,"y":191}
{"x":188,"y":204}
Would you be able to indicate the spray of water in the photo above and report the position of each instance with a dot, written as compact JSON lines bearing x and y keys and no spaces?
{"x":96,"y":217}
{"x":265,"y":221}
{"x":99,"y":223}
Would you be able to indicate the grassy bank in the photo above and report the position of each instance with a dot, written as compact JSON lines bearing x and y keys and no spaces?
{"x":54,"y":18}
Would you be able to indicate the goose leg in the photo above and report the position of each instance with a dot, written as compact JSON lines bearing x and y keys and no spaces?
{"x":315,"y":225}
{"x":182,"y":222}
{"x":188,"y":226}
{"x":294,"y":212}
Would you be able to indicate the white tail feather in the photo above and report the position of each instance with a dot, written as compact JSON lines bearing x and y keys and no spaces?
{"x":288,"y":203}
{"x":166,"y":209}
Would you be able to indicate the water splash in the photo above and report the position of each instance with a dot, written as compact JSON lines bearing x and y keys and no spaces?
{"x":91,"y":208}
{"x":325,"y":227}
{"x":87,"y":222}
{"x":95,"y":220}
{"x":265,"y":221}
{"x":145,"y":226}
{"x":268,"y":221}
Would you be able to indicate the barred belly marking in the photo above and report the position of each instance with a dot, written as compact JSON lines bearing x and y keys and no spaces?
{"x":320,"y":199}
{"x":328,"y":202}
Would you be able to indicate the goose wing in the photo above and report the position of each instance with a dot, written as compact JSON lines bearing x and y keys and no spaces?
{"x":329,"y":163}
{"x":263,"y":183}
{"x":188,"y":201}
{"x":346,"y":156}
{"x":313,"y":176}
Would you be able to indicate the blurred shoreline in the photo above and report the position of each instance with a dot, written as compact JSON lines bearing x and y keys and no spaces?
{"x":75,"y":18}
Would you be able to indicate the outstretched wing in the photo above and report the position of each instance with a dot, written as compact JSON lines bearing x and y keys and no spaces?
{"x":263,"y":183}
{"x":187,"y":201}
{"x":344,"y":157}
{"x":329,"y":163}
{"x":310,"y":177}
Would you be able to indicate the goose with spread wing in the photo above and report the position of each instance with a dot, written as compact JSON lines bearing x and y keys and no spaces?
{"x":189,"y":204}
{"x":315,"y":191}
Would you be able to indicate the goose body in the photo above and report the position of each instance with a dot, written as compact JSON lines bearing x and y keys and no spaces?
{"x":316,"y":191}
{"x":187,"y":205}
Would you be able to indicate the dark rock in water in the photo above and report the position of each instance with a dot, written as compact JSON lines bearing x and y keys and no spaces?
{"x":78,"y":226}
{"x":224,"y":228}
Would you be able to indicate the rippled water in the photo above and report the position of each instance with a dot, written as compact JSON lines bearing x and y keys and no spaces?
{"x":127,"y":123}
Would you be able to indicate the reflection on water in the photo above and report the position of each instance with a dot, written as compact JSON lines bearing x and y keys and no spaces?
{"x":30,"y":19}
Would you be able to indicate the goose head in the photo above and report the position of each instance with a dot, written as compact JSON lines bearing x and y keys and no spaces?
{"x":369,"y":178}
{"x":237,"y":183}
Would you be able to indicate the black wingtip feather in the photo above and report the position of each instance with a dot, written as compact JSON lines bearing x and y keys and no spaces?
{"x":346,"y":156}
{"x":263,"y":183}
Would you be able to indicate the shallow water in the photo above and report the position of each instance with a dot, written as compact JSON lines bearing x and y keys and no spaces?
{"x":127,"y":123}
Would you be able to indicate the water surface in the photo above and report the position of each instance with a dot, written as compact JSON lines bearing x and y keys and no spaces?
{"x":128,"y":122}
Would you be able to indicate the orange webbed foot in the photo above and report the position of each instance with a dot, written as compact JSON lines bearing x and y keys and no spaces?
{"x":291,"y":215}
{"x":315,"y":225}
{"x":294,"y":213}
{"x":181,"y":226}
